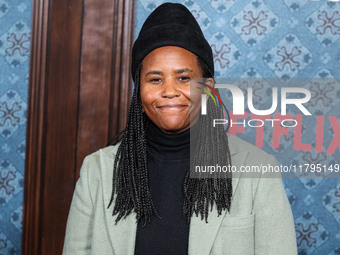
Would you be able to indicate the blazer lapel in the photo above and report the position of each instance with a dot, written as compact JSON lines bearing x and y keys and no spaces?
{"x":123,"y":234}
{"x":202,"y":235}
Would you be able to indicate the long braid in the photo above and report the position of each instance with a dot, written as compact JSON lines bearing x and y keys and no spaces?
{"x":130,"y":178}
{"x":201,"y":193}
{"x":130,"y":187}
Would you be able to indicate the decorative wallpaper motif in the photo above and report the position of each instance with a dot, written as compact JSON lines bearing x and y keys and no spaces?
{"x":281,"y":39}
{"x":15,"y":22}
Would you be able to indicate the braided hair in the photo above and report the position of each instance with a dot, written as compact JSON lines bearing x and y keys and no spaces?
{"x":130,"y":186}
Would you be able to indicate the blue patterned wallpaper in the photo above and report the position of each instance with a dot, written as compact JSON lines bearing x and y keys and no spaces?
{"x":249,"y":39}
{"x":281,"y":39}
{"x":15,"y":23}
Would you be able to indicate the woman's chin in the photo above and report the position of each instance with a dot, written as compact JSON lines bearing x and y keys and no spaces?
{"x":173,"y":126}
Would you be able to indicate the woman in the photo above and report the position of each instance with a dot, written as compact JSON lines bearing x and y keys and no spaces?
{"x":139,"y":197}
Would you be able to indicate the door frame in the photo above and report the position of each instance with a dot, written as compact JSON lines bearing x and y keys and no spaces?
{"x":36,"y":236}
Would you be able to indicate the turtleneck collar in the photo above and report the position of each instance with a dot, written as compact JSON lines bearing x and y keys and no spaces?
{"x":171,"y":146}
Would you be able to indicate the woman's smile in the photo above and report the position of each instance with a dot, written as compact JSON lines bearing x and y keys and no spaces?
{"x":167,"y":107}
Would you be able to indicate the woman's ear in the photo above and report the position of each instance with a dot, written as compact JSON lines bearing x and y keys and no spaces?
{"x":210,"y":82}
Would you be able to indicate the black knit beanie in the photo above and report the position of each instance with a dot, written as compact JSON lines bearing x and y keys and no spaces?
{"x":171,"y":24}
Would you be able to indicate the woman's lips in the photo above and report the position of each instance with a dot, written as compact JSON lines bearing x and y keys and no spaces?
{"x":171,"y":107}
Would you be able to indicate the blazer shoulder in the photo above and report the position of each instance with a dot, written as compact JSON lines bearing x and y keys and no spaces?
{"x":106,"y":153}
{"x":100,"y":162}
{"x":237,"y":145}
{"x":110,"y":151}
{"x":253,"y":161}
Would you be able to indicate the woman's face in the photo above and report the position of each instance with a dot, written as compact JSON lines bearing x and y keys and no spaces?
{"x":165,"y":88}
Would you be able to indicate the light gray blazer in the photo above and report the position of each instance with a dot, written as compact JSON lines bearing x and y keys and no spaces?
{"x":259,"y":222}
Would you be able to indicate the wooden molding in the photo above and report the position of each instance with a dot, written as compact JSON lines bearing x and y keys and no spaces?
{"x":123,"y":37}
{"x":35,"y":129}
{"x":52,"y":121}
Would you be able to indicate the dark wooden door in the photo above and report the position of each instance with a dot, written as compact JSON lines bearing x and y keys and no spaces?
{"x":79,"y":92}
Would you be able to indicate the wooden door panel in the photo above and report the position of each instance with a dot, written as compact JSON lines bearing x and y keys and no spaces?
{"x":95,"y":77}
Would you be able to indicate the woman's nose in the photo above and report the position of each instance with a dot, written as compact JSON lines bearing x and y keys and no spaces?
{"x":170,"y":89}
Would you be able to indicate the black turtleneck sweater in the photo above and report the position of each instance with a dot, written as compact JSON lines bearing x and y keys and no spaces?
{"x":168,"y":163}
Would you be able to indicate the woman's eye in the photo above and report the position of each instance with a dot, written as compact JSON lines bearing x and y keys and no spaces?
{"x":184,"y":78}
{"x":155,"y":80}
